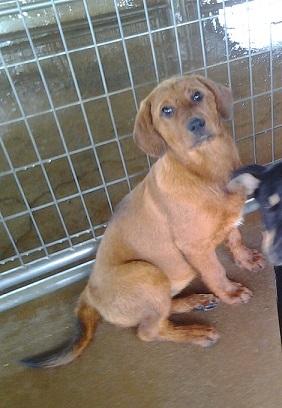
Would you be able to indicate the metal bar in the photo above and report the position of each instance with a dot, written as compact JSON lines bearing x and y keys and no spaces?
{"x":250,"y":206}
{"x":18,"y":255}
{"x":45,"y":266}
{"x":151,"y":40}
{"x":50,"y":245}
{"x":176,"y":36}
{"x":45,"y":286}
{"x":228,"y":63}
{"x":202,"y":37}
{"x":251,"y":85}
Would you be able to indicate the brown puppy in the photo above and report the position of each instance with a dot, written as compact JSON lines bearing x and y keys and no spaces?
{"x":166,"y":230}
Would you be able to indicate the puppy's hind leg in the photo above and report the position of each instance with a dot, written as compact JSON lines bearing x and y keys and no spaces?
{"x":140,"y":295}
{"x":157,"y":307}
{"x":156,"y":328}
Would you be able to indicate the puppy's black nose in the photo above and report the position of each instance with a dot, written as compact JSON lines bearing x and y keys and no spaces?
{"x":196,"y":125}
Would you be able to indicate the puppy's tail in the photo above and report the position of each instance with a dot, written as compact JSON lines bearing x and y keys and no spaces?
{"x":88,"y":319}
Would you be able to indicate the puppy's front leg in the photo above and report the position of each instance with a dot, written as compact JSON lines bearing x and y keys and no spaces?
{"x":250,"y":259}
{"x":214,"y":276}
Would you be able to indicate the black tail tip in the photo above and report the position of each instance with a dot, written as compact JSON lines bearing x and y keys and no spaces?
{"x":43,"y":360}
{"x":31,"y":363}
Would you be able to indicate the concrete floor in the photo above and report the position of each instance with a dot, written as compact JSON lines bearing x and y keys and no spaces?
{"x":243,"y":370}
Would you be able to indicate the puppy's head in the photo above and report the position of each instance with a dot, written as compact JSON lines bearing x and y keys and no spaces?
{"x":181,"y":114}
{"x":265,"y":184}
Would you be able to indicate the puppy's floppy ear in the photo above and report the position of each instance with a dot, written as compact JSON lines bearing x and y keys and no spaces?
{"x":145,"y":135}
{"x":223,"y":97}
{"x":248,"y":177}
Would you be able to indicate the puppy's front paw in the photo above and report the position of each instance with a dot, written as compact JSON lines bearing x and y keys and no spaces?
{"x":236,"y":294}
{"x":250,"y":259}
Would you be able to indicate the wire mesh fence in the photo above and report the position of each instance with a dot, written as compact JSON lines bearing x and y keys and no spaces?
{"x":72,"y":75}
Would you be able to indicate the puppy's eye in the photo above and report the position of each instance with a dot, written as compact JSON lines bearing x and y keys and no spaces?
{"x":167,"y":111}
{"x":197,"y":96}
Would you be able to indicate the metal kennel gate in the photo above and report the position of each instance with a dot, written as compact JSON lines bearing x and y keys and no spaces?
{"x":72,"y":75}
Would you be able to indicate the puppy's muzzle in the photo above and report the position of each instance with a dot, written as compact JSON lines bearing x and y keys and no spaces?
{"x":197,"y":126}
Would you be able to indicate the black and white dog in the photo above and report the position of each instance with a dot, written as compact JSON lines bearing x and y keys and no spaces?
{"x":264,"y":183}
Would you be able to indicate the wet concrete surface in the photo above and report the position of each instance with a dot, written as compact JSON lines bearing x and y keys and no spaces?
{"x":243,"y":370}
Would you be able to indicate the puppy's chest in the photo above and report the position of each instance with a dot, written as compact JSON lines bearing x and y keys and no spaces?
{"x":211,"y":216}
{"x":221,"y":213}
{"x":229,"y":214}
{"x":230,"y":220}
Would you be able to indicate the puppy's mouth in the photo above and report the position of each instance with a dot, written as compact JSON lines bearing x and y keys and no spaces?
{"x":204,"y":138}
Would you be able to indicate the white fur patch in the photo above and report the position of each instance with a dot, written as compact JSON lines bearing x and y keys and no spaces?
{"x":274,"y":199}
{"x":246,"y":180}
